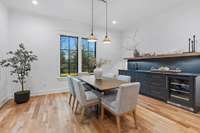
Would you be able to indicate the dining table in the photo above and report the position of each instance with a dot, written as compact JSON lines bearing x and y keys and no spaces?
{"x":104,"y":84}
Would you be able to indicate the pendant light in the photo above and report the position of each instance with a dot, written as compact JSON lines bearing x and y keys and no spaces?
{"x":92,"y":37}
{"x":106,"y":39}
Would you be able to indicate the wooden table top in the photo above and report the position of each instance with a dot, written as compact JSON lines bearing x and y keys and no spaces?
{"x":103,"y":84}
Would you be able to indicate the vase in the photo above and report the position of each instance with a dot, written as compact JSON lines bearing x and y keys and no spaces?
{"x":98,"y":73}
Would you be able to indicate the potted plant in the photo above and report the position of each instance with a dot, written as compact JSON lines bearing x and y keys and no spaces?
{"x":98,"y":71}
{"x":20,"y":64}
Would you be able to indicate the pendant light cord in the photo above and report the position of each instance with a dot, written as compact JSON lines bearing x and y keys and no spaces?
{"x":92,"y":16}
{"x":106,"y":18}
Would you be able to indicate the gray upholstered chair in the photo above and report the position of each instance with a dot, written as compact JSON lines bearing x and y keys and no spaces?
{"x":71,"y":91}
{"x":125,"y":101}
{"x":85,"y":98}
{"x":124,"y":78}
{"x":87,"y":87}
{"x":109,"y":75}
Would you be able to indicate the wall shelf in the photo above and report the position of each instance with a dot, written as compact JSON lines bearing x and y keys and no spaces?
{"x":183,"y":55}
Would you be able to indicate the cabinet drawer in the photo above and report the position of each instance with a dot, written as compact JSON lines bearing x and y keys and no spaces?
{"x":160,"y":93}
{"x":160,"y":85}
{"x":157,"y":78}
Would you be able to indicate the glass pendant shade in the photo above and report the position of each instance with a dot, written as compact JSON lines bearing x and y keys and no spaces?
{"x":92,"y":38}
{"x":106,"y":40}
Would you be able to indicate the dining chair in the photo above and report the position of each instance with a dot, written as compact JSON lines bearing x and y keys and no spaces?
{"x":85,"y":98}
{"x":71,"y":91}
{"x":87,"y":87}
{"x":124,"y":102}
{"x":124,"y":78}
{"x":109,"y":75}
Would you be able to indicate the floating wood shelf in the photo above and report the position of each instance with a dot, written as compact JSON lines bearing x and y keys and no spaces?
{"x":164,"y":56}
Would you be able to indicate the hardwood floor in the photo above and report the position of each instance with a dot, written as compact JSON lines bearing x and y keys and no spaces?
{"x":52,"y":114}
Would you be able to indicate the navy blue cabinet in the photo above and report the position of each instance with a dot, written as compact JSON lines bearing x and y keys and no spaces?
{"x":176,"y":89}
{"x":181,"y":89}
{"x":153,"y":85}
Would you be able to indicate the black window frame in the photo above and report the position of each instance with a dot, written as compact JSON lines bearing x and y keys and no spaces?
{"x":88,"y":51}
{"x":69,"y":51}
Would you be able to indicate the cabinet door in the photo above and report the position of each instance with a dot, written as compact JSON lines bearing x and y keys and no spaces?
{"x":141,"y":78}
{"x":157,"y":87}
{"x":158,"y":92}
{"x":133,"y":76}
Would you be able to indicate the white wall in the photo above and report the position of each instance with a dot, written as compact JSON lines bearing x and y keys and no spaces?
{"x":41,"y":34}
{"x":169,"y":31}
{"x":3,"y":49}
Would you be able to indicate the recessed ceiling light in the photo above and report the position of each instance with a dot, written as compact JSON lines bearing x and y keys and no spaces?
{"x":114,"y":22}
{"x":34,"y":2}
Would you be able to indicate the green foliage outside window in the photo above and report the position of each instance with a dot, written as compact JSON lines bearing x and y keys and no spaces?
{"x":68,"y":55}
{"x":88,"y":55}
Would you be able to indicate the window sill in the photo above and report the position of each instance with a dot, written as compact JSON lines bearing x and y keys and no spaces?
{"x":61,"y":79}
{"x":65,"y":79}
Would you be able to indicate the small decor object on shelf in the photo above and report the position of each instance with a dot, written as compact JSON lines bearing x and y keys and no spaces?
{"x":20,"y":62}
{"x":132,"y":43}
{"x":192,"y":44}
{"x":98,"y":71}
{"x":165,"y":69}
{"x":189,"y":45}
{"x":136,"y":53}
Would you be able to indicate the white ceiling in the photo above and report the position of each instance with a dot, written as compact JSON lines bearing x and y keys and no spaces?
{"x":125,"y":12}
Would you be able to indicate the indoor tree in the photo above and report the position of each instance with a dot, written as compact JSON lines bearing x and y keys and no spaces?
{"x":20,"y":63}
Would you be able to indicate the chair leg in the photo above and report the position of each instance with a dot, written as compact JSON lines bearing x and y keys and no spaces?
{"x":134,"y":116}
{"x":73,"y":103}
{"x":77,"y":103}
{"x":102,"y":112}
{"x":118,"y":124}
{"x":98,"y":110}
{"x":82,"y":114}
{"x":70,"y":98}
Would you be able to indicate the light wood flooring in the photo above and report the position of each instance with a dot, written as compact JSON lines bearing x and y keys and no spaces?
{"x":52,"y":114}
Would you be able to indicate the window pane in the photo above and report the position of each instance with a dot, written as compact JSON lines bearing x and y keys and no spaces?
{"x":88,"y":55}
{"x":91,"y":54}
{"x":73,"y":57}
{"x":84,"y":44}
{"x":73,"y":43}
{"x":64,"y":56}
{"x":64,"y":42}
{"x":84,"y":57}
{"x":73,"y":70}
{"x":68,"y":55}
{"x":91,"y":61}
{"x":91,"y":46}
{"x":84,"y":69}
{"x":64,"y":61}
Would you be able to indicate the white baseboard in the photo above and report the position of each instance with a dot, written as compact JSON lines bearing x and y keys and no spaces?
{"x":4,"y":101}
{"x":46,"y":92}
{"x":38,"y":93}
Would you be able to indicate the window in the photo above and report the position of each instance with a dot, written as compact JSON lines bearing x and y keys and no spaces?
{"x":88,"y":55}
{"x":68,"y":55}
